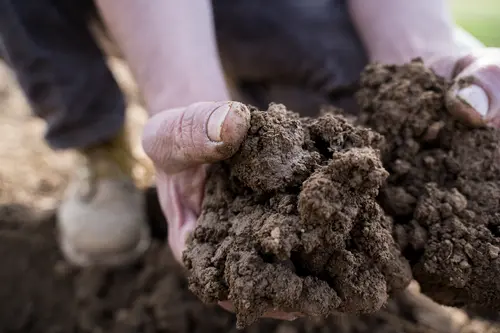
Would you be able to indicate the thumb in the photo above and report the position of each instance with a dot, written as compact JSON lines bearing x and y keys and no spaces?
{"x":475,"y":96}
{"x":468,"y":102}
{"x":204,"y":132}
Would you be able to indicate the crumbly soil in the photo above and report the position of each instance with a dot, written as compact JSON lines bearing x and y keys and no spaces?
{"x":291,"y":222}
{"x":444,"y":184}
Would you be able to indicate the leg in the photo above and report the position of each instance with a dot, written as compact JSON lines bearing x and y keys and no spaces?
{"x":65,"y":77}
{"x":63,"y":72}
{"x":303,"y":53}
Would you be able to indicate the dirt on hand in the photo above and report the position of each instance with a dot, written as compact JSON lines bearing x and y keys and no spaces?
{"x":444,"y":184}
{"x":291,"y":222}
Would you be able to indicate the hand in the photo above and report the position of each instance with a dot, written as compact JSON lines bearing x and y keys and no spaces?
{"x":477,"y":101}
{"x":181,"y":142}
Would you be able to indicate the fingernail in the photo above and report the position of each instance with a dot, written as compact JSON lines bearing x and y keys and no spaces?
{"x":216,"y":121}
{"x":476,"y":97}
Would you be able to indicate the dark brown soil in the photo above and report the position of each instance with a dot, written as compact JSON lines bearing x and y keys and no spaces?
{"x":444,"y":185}
{"x":291,"y":222}
{"x":40,"y":294}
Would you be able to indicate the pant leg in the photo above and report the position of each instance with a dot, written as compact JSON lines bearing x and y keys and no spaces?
{"x":254,"y":35}
{"x":62,"y":70}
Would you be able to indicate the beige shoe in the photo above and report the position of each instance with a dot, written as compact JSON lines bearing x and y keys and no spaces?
{"x":102,"y":219}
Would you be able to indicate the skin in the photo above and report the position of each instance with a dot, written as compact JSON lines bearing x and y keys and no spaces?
{"x":170,"y":47}
{"x":395,"y":31}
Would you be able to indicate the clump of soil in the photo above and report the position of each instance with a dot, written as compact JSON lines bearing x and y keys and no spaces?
{"x":291,"y":222}
{"x":444,"y":185}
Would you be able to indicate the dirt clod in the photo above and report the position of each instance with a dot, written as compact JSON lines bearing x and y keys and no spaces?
{"x":291,"y":222}
{"x":444,"y":185}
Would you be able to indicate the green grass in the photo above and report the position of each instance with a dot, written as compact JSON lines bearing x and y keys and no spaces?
{"x":479,"y":17}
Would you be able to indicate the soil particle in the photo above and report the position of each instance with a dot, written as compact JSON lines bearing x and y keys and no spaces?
{"x":291,"y":222}
{"x":33,"y":296}
{"x":443,"y":190}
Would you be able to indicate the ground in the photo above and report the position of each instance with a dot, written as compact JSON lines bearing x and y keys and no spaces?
{"x":40,"y":293}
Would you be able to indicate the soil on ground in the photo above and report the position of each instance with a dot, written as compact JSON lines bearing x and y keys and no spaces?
{"x":42,"y":294}
{"x":291,"y":222}
{"x":443,"y":188}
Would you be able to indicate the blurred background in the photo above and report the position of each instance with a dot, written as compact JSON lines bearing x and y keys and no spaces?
{"x":479,"y":17}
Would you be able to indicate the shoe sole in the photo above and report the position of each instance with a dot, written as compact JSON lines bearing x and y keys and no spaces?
{"x":117,"y":259}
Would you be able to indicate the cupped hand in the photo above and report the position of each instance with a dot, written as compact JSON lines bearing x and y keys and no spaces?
{"x":181,"y":143}
{"x":475,"y":95}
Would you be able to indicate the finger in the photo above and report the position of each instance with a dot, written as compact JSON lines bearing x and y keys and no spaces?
{"x":226,"y":305}
{"x":180,"y":216}
{"x":445,"y":66}
{"x":177,"y":237}
{"x":466,"y":41}
{"x":475,"y":96}
{"x":288,"y":316}
{"x":466,"y":60}
{"x":469,"y":104}
{"x":451,"y":66}
{"x":203,"y":132}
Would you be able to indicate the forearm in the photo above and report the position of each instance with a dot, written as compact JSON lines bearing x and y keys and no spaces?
{"x":171,"y":49}
{"x":395,"y":31}
{"x":465,"y":41}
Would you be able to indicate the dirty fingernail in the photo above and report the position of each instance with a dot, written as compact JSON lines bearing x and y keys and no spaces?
{"x":216,"y":121}
{"x":476,"y":97}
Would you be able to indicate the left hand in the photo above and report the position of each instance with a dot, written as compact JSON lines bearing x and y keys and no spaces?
{"x":478,"y":102}
{"x":181,"y":142}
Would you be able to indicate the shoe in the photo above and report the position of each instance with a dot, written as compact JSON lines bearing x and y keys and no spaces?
{"x":102,"y":219}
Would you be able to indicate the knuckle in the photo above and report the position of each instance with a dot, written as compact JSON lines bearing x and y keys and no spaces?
{"x":492,"y":68}
{"x":463,"y":63}
{"x":157,"y":143}
{"x":148,"y":143}
{"x":185,"y":135}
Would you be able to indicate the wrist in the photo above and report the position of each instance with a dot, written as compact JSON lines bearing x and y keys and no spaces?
{"x":395,"y":31}
{"x":171,"y":50}
{"x":459,"y":44}
{"x":465,"y":42}
{"x":188,"y":89}
{"x":394,"y":52}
